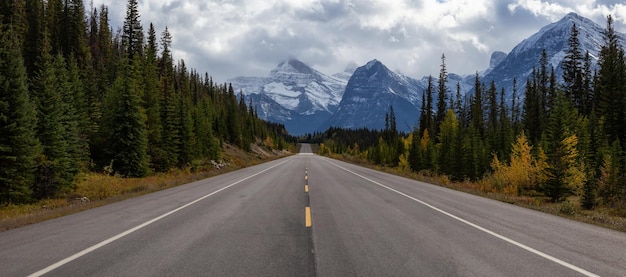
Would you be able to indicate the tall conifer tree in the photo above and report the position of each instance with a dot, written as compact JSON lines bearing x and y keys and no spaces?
{"x":19,"y":147}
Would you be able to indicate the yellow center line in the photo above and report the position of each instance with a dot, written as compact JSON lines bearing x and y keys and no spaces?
{"x":307,"y":212}
{"x":306,"y":188}
{"x":306,"y":177}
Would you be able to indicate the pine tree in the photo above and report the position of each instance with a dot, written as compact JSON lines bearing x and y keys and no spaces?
{"x":416,"y":157}
{"x":505,"y":130}
{"x":53,"y":163}
{"x":448,"y":147}
{"x":492,"y":119}
{"x":125,"y":122}
{"x":427,"y":121}
{"x":442,"y":94}
{"x":152,"y":102}
{"x":34,"y":37}
{"x":611,"y":85}
{"x":515,"y":108}
{"x":573,"y":70}
{"x":78,"y":124}
{"x":55,"y":22}
{"x":169,"y":106}
{"x":564,"y":173}
{"x":132,"y":38}
{"x":19,"y":147}
{"x":533,"y":109}
{"x":477,"y":112}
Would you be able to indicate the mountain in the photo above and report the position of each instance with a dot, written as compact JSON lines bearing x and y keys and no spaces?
{"x":306,"y":100}
{"x":553,"y":38}
{"x":294,"y":94}
{"x":372,"y":89}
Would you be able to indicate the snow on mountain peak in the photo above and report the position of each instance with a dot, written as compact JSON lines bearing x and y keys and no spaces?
{"x":294,"y":94}
{"x":372,"y":63}
{"x":293,"y":65}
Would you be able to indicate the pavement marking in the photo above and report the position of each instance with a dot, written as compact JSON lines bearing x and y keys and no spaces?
{"x":140,"y":226}
{"x":485,"y":230}
{"x":306,"y":188}
{"x":306,"y":177}
{"x":307,"y":216}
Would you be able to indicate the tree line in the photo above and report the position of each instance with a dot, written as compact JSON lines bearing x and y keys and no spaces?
{"x":76,"y":96}
{"x":565,"y":138}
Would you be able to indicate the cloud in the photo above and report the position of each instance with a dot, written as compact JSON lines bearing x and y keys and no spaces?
{"x":228,"y":38}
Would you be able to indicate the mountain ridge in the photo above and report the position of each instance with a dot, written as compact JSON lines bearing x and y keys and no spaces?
{"x":281,"y":96}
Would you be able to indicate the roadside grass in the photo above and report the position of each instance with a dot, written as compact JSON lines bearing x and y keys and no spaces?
{"x":570,"y":208}
{"x":96,"y":189}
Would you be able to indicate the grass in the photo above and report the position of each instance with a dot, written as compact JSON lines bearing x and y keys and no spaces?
{"x":103,"y":189}
{"x":570,"y":208}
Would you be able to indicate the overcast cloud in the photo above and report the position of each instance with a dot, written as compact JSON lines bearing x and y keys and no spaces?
{"x":229,"y":38}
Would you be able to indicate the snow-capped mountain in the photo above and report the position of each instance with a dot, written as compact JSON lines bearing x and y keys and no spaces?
{"x":294,"y":94}
{"x":306,"y":100}
{"x":553,"y":38}
{"x":372,"y":89}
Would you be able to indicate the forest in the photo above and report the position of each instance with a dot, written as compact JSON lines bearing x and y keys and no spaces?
{"x":561,"y":140}
{"x":77,"y":95}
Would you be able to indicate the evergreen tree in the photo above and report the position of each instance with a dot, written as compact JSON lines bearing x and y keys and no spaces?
{"x":19,"y":147}
{"x":55,"y":22}
{"x":505,"y":130}
{"x":125,"y":122}
{"x":564,"y":173}
{"x":515,"y":108}
{"x":477,"y":112}
{"x":416,"y":157}
{"x":448,"y":147}
{"x":611,"y":83}
{"x":152,"y":103}
{"x":54,"y":163}
{"x":132,"y":38}
{"x":169,"y":106}
{"x":533,"y":110}
{"x":34,"y":37}
{"x":586,"y":104}
{"x":573,"y":70}
{"x":492,"y":119}
{"x":427,"y":120}
{"x":442,"y":95}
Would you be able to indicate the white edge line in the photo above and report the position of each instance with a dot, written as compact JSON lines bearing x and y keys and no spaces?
{"x":138,"y":227}
{"x":511,"y":241}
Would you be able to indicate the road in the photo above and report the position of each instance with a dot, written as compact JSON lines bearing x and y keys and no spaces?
{"x":307,"y":215}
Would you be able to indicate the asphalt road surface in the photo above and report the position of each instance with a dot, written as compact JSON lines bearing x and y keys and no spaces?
{"x":307,"y":215}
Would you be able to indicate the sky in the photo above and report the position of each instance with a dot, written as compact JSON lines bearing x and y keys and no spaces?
{"x":229,"y":38}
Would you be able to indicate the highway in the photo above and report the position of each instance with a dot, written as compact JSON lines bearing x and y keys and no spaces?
{"x":307,"y":215}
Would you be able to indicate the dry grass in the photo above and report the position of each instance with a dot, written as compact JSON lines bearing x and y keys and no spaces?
{"x":103,"y":189}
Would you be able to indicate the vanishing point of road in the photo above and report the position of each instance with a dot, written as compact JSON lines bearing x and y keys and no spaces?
{"x":307,"y":215}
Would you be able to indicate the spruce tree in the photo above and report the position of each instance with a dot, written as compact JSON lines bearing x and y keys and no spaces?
{"x":611,"y":85}
{"x":19,"y":147}
{"x":573,"y":70}
{"x":125,"y":124}
{"x":442,"y":94}
{"x":132,"y":38}
{"x":564,"y":173}
{"x":152,"y":101}
{"x":427,"y":121}
{"x":448,"y":147}
{"x":54,"y":171}
{"x":477,"y":112}
{"x":169,"y":106}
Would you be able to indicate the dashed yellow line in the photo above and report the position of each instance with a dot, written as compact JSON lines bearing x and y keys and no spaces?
{"x":307,"y":212}
{"x":306,"y":188}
